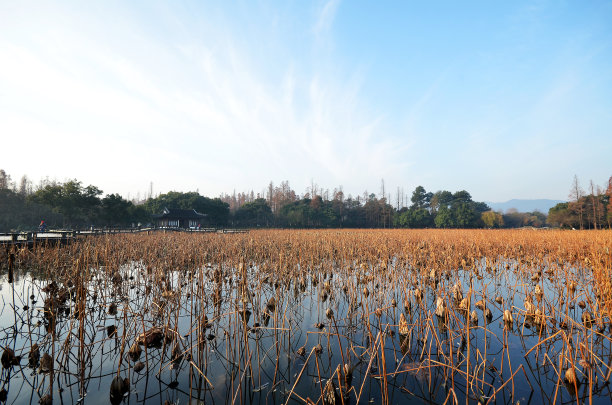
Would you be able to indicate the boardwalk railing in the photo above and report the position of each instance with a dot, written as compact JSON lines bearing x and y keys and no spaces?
{"x":67,"y":236}
{"x":32,"y":238}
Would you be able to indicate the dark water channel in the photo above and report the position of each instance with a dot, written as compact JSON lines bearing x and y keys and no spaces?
{"x":249,"y":351}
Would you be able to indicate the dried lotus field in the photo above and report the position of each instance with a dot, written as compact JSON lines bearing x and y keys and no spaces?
{"x":313,"y":316}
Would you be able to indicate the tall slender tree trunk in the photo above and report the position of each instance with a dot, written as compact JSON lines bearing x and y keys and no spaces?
{"x":594,"y":206}
{"x":576,"y":195}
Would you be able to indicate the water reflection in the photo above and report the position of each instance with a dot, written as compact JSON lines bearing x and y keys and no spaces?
{"x":220,"y":334}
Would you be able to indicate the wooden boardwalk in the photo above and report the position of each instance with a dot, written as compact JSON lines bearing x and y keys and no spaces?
{"x":63,"y":237}
{"x":29,"y":239}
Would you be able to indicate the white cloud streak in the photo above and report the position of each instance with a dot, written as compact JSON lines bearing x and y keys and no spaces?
{"x":189,"y":115}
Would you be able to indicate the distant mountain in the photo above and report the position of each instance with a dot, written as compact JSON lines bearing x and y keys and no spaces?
{"x":541,"y":205}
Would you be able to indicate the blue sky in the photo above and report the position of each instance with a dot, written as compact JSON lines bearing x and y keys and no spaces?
{"x":503,"y":99}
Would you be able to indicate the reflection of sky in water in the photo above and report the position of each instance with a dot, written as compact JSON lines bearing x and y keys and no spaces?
{"x":272,"y":350}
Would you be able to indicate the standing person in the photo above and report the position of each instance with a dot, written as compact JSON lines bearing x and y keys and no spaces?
{"x":42,"y":227}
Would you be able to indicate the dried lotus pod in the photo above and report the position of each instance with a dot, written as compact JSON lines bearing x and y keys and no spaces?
{"x":440,"y":307}
{"x":457,"y":293}
{"x":529,"y":307}
{"x":407,"y":304}
{"x":587,"y":319}
{"x":271,"y":305}
{"x":463,"y":305}
{"x":46,"y":363}
{"x":330,"y":396}
{"x":538,"y":292}
{"x":418,"y":294}
{"x":508,"y":317}
{"x":348,"y":375}
{"x":538,"y":317}
{"x":134,"y":352}
{"x":474,"y":318}
{"x":570,"y":376}
{"x":403,"y":326}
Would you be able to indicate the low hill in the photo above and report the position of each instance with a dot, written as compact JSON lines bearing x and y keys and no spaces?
{"x":542,"y":205}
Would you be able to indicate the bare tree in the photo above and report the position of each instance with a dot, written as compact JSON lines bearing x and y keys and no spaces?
{"x":270,"y":196}
{"x":600,"y":207}
{"x":575,"y":196}
{"x":397,"y":198}
{"x":609,"y":195}
{"x":314,"y":189}
{"x":5,"y":180}
{"x":383,"y":201}
{"x":594,"y":203}
{"x":25,"y":186}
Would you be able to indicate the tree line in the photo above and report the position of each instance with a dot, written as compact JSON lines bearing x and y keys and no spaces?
{"x":73,"y":205}
{"x":584,"y":210}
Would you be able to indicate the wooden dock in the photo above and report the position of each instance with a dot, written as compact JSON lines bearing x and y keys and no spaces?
{"x":29,"y":239}
{"x":64,"y":237}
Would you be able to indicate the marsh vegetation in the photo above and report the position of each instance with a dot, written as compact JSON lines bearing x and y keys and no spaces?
{"x":334,"y":316}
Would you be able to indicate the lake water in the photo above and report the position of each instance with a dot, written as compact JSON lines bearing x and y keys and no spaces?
{"x":255,"y":357}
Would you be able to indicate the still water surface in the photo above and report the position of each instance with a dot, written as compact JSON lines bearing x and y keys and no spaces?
{"x":246,"y":351}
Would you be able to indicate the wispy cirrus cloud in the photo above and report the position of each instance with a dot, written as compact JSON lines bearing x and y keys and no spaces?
{"x":325,"y":17}
{"x":221,"y":96}
{"x":192,"y":114}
